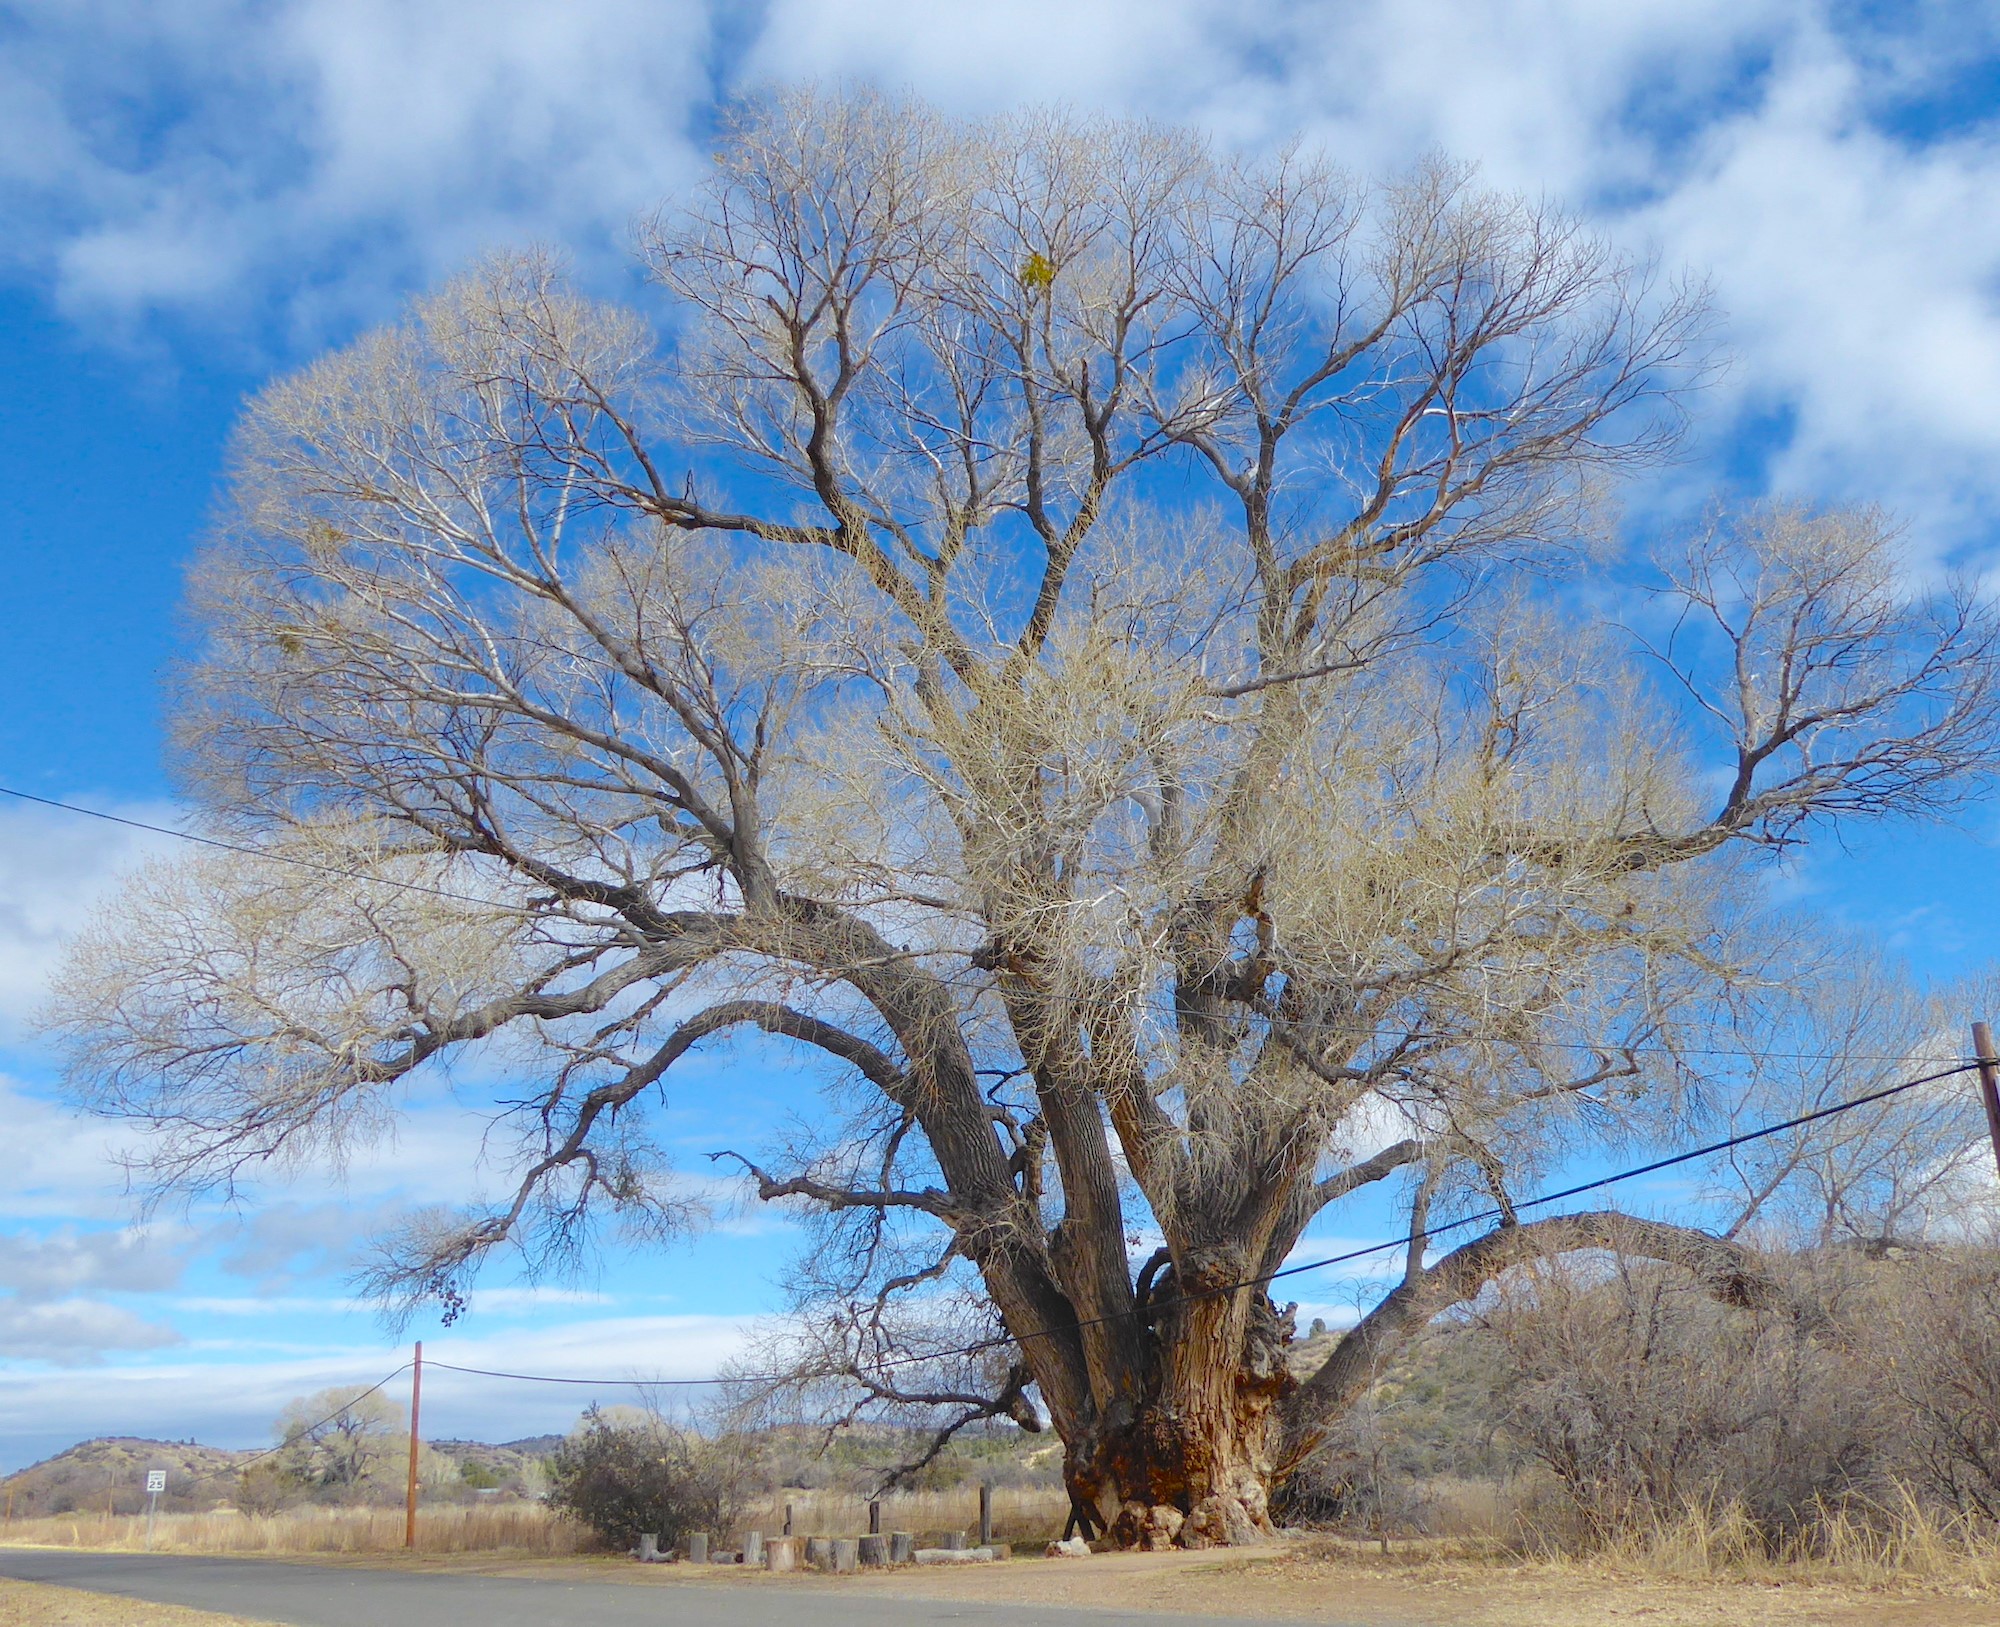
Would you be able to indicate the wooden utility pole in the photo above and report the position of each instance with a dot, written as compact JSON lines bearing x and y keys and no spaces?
{"x":410,"y":1492}
{"x":1989,"y":1082}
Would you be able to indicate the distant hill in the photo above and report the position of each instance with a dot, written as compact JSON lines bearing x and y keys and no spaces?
{"x":110,"y":1472}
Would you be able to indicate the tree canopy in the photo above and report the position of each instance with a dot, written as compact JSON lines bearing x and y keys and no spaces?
{"x":1101,"y":644}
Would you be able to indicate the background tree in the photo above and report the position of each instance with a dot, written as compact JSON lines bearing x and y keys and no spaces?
{"x":1070,"y":632}
{"x":340,"y":1441}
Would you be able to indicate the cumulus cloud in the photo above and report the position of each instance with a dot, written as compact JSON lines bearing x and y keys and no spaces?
{"x":68,"y":1261}
{"x":54,"y":867}
{"x":171,"y":157}
{"x":310,"y":159}
{"x":75,"y":1332}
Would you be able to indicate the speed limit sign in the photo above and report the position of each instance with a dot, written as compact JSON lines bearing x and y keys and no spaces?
{"x":156,"y":1481}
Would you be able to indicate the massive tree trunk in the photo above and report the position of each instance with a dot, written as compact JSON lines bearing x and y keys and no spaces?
{"x":1196,"y":1463}
{"x":1199,"y":1439}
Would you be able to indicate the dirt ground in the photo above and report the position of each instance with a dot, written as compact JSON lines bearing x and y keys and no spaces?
{"x":30,"y":1604}
{"x":1281,"y":1585}
{"x":1361,"y":1588}
{"x":1292,"y":1585}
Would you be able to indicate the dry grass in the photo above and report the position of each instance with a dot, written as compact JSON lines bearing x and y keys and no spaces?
{"x":509,"y":1528}
{"x":1898,"y":1547}
{"x":1901,"y":1543}
{"x":1027,"y":1515}
{"x":33,"y":1604}
{"x":1021,"y":1514}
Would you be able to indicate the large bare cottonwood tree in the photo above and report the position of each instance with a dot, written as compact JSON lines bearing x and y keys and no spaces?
{"x":1078,"y":634}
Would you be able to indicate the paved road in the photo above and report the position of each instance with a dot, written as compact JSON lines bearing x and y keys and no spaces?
{"x":323,"y":1596}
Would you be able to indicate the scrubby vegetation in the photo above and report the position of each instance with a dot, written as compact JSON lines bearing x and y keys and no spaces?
{"x":1841,"y":1420}
{"x":620,"y":1476}
{"x":1598,"y":1404}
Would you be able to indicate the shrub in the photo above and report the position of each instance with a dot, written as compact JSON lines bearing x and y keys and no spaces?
{"x":1646,"y":1397}
{"x":1935,"y":1341}
{"x":265,"y":1488}
{"x":620,"y":1478}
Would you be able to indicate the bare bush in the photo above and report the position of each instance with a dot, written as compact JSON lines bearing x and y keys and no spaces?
{"x":1645,"y":1395}
{"x":1934,"y":1348}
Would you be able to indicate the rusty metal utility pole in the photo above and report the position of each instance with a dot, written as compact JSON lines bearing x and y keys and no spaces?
{"x":410,"y":1493}
{"x":1989,"y":1081}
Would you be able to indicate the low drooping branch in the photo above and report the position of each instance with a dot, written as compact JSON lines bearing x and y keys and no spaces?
{"x":1726,"y":1268}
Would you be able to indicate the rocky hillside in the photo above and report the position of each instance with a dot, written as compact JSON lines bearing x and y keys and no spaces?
{"x":111,"y":1473}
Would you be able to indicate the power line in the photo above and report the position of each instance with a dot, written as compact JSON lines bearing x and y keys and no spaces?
{"x":246,"y":850}
{"x":1423,"y":1235}
{"x":242,"y":848}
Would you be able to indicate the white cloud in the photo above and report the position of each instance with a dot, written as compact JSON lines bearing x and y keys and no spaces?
{"x":74,"y":1332}
{"x":231,"y":1403}
{"x":60,"y":1167}
{"x":312,"y":158}
{"x":498,"y":1302}
{"x":327,"y":150}
{"x":1858,"y":275}
{"x":67,"y":1261}
{"x":54,"y":868}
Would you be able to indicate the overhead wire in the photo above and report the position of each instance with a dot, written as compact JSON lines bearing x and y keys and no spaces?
{"x":243,"y":849}
{"x":1408,"y":1240}
{"x":1411,"y":1239}
{"x":395,"y":884}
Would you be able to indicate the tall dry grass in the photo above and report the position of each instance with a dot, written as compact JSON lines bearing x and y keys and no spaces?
{"x":1902,"y":1540}
{"x":1021,"y":1514}
{"x":1029,"y":1514}
{"x":525,"y":1528}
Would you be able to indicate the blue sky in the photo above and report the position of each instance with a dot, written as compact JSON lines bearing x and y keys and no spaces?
{"x":197,"y":195}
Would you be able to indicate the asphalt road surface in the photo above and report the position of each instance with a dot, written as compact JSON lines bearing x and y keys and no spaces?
{"x":322,"y":1596}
